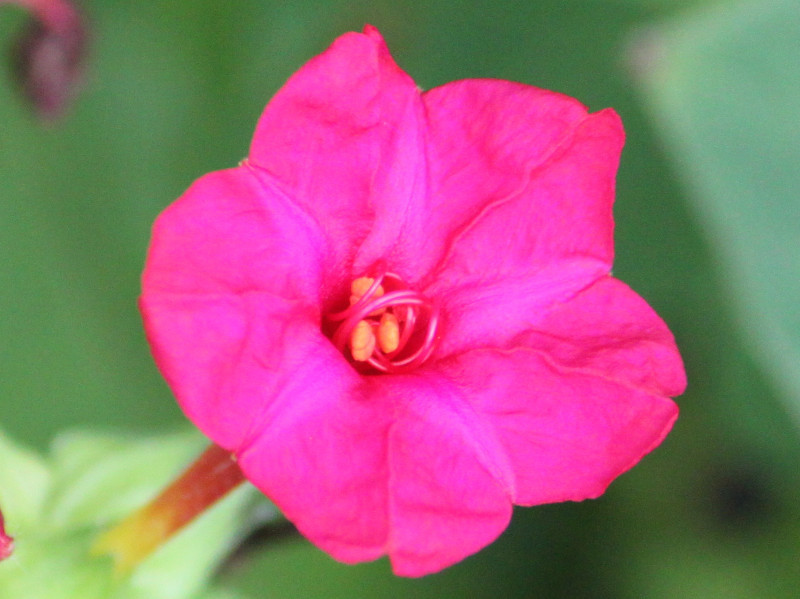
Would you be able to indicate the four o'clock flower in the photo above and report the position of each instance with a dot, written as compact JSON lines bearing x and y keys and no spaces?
{"x":6,"y":542}
{"x":397,"y":313}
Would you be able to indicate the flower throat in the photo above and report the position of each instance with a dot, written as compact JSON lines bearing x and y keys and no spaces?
{"x":387,"y":327}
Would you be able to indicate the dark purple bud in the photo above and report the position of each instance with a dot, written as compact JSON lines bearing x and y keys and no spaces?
{"x":49,"y":56}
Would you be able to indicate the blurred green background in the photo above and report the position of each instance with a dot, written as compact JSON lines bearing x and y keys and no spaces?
{"x":708,"y":231}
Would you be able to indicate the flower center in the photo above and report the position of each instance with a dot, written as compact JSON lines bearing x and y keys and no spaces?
{"x":388,"y":327}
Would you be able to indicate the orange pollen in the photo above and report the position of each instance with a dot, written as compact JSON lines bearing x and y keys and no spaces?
{"x":362,"y":341}
{"x":364,"y":286}
{"x":360,"y":286}
{"x":389,"y":333}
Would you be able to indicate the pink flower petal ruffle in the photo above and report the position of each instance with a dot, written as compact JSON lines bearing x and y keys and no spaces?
{"x":610,"y":330}
{"x":401,"y":466}
{"x":567,"y":434}
{"x":344,"y":139}
{"x":449,"y":479}
{"x":580,"y":401}
{"x":231,"y":232}
{"x":233,"y":274}
{"x":320,"y":455}
{"x":534,"y":176}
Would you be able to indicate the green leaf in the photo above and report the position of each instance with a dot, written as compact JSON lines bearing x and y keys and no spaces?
{"x":24,"y":482}
{"x":724,"y":85}
{"x":99,"y":478}
{"x":56,"y":509}
{"x":58,"y":566}
{"x":183,"y":567}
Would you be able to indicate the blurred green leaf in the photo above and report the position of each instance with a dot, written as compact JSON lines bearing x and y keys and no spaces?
{"x":175,"y":89}
{"x":724,"y":84}
{"x":24,"y":481}
{"x":55,"y":566}
{"x":97,"y":480}
{"x":183,"y":568}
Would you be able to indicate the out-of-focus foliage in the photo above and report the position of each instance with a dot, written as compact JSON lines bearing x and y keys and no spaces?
{"x":725,"y":86}
{"x":57,"y":505}
{"x":174,"y":90}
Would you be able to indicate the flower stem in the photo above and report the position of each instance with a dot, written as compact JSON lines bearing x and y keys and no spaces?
{"x":213,"y":475}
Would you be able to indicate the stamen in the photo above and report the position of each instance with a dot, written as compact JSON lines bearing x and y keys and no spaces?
{"x":362,"y":341}
{"x":364,"y":286}
{"x":387,"y":326}
{"x":389,"y":333}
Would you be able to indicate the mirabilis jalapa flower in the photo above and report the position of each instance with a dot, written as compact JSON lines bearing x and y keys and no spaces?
{"x":6,"y":542}
{"x":397,"y":312}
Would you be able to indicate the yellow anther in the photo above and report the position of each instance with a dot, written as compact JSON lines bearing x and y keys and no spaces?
{"x":388,"y":333}
{"x":360,"y":286}
{"x":362,"y":341}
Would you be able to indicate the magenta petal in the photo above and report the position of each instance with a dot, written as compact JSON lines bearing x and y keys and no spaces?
{"x":343,"y":137}
{"x":581,"y":398}
{"x":232,"y":280}
{"x":450,"y":483}
{"x":233,"y":232}
{"x":487,"y":139}
{"x":568,"y":434}
{"x":320,"y":455}
{"x":534,"y":177}
{"x":219,"y":355}
{"x":507,"y":149}
{"x":609,"y":330}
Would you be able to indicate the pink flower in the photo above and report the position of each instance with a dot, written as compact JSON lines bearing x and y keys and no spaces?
{"x":480,"y":211}
{"x":6,"y":542}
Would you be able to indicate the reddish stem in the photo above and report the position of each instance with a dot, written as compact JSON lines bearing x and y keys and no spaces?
{"x":212,"y":476}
